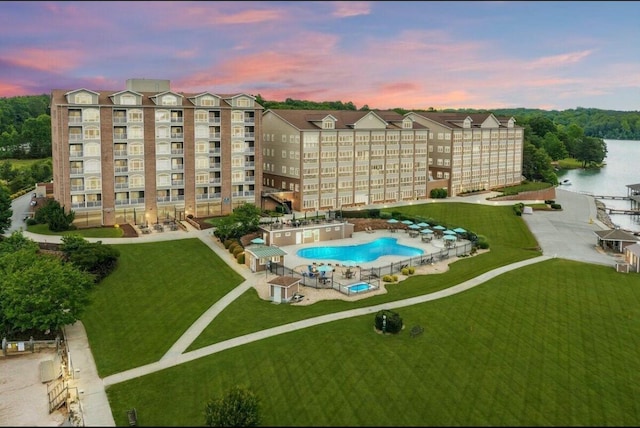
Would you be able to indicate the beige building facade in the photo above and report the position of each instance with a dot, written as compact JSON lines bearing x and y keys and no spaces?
{"x":473,"y":151}
{"x":339,"y":159}
{"x":146,"y":153}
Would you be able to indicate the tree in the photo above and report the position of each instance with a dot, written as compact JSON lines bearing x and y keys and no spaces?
{"x":591,"y":150}
{"x":40,"y":292}
{"x":239,"y":407}
{"x":93,"y":257}
{"x":248,"y":215}
{"x":53,"y":214}
{"x":5,"y":209}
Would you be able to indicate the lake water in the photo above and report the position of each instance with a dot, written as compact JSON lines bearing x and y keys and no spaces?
{"x":611,"y":180}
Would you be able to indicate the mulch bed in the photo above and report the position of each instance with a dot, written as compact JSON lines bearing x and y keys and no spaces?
{"x":128,"y":231}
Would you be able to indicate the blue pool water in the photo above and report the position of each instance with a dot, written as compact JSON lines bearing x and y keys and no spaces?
{"x":356,"y":288}
{"x":360,"y":253}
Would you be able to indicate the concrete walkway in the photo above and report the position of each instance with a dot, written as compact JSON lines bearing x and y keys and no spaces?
{"x":557,"y":233}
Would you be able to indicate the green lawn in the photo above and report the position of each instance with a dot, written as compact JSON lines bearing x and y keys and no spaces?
{"x":157,"y":291}
{"x":553,"y":344}
{"x":550,"y":344}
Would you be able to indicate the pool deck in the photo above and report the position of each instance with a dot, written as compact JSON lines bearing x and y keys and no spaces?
{"x":293,"y":261}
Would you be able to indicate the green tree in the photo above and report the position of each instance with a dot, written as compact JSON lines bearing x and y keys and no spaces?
{"x":52,"y":214}
{"x":93,"y":257}
{"x":554,"y":146}
{"x":36,"y":135}
{"x":5,"y":209}
{"x":591,"y":151}
{"x":248,"y":215}
{"x":40,"y":292}
{"x":239,"y":407}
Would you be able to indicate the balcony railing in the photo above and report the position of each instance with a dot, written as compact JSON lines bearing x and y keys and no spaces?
{"x":120,"y":153}
{"x":119,"y":120}
{"x":177,"y":151}
{"x":121,"y":169}
{"x":75,"y":119}
{"x":75,"y":154}
{"x":177,"y":135}
{"x":215,"y":165}
{"x":77,"y":171}
{"x":122,"y":185}
{"x":120,"y":136}
{"x":214,"y":135}
{"x":177,"y":167}
{"x":170,"y":198}
{"x":77,"y":188}
{"x":75,"y":137}
{"x":216,"y":180}
{"x":215,"y":150}
{"x":177,"y":182}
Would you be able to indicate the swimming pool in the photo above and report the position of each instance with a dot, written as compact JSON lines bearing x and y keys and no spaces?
{"x":359,"y":287}
{"x":360,"y":253}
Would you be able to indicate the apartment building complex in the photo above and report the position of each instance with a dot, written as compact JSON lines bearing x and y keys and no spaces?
{"x":473,"y":151}
{"x":146,"y":153}
{"x":334,"y":159}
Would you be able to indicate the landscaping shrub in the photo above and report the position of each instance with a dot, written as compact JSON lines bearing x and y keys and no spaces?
{"x":405,"y":271}
{"x":240,"y":258}
{"x":233,"y":246}
{"x":438,"y":193}
{"x":549,"y":201}
{"x":227,"y":243}
{"x":412,"y":270}
{"x":237,"y":250}
{"x":518,"y":208}
{"x":388,"y":278}
{"x":388,"y":321}
{"x":556,"y":206}
{"x":374,"y":213}
{"x":482,"y":242}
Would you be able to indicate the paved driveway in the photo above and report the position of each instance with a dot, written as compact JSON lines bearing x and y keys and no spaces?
{"x":570,"y":233}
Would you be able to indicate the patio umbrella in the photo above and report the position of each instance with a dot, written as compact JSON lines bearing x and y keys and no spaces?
{"x":414,"y":226}
{"x":450,"y":237}
{"x":392,"y":221}
{"x":407,"y":222}
{"x":258,"y":241}
{"x":438,"y":227}
{"x":423,"y":224}
{"x":449,"y":232}
{"x":459,"y":230}
{"x":325,"y":268}
{"x":425,"y":231}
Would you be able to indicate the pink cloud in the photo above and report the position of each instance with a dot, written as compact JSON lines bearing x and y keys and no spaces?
{"x":345,"y":9}
{"x":43,"y":59}
{"x":212,"y":15}
{"x":560,"y":60}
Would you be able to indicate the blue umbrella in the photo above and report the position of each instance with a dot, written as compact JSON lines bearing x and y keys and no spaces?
{"x":392,"y":220}
{"x":459,"y":230}
{"x":449,"y":232}
{"x":258,"y":241}
{"x":423,"y":224}
{"x":425,"y":231}
{"x":414,"y":226}
{"x":450,"y":237}
{"x":438,"y":227}
{"x":407,"y":222}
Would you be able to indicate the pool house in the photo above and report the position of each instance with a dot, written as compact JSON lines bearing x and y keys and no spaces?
{"x":296,"y":232}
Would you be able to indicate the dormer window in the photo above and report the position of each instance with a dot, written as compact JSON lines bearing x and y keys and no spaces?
{"x":83,"y":98}
{"x":208,"y":101}
{"x":467,"y":123}
{"x":128,"y":100}
{"x":242,"y":102}
{"x":328,"y":124}
{"x":407,"y":124}
{"x":169,"y":100}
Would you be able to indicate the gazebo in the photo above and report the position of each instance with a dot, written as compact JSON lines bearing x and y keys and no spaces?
{"x":615,"y":239}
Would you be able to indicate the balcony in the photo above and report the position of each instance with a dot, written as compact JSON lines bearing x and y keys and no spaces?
{"x":120,"y":136}
{"x":177,"y":135}
{"x":120,"y":153}
{"x":177,"y":151}
{"x":77,"y":188}
{"x":177,"y":182}
{"x":214,"y":165}
{"x":216,"y":180}
{"x":76,"y":171}
{"x":177,"y":167}
{"x":75,"y":154}
{"x":75,"y":137}
{"x":119,"y":120}
{"x":121,"y":169}
{"x":124,"y":185}
{"x":214,"y":135}
{"x":215,"y":150}
{"x":170,"y":198}
{"x":75,"y":119}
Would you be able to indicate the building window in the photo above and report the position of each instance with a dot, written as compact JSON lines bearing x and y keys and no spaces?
{"x":128,"y":100}
{"x":207,"y":101}
{"x":169,"y":100}
{"x":83,"y":98}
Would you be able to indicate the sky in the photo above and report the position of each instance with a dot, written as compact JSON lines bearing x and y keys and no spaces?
{"x":383,"y":55}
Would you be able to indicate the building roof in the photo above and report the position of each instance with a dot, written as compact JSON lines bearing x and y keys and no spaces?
{"x":58,"y":97}
{"x":616,"y":235}
{"x":263,"y":251}
{"x":633,"y":249}
{"x":454,"y":120}
{"x":344,"y":119}
{"x":284,"y":281}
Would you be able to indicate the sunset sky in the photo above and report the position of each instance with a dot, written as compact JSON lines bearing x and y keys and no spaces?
{"x":414,"y":55}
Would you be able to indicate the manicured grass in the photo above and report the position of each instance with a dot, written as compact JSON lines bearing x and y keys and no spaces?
{"x":157,"y":291}
{"x":94,"y":232}
{"x":552,"y":344}
{"x":508,"y":234}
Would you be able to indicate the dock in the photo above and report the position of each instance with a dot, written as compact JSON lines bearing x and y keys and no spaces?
{"x":620,"y":198}
{"x":622,"y":211}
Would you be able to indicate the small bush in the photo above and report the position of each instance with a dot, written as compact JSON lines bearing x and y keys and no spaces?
{"x":388,"y":321}
{"x":233,"y":246}
{"x":556,"y":206}
{"x":549,"y":201}
{"x":388,"y":278}
{"x":238,"y":250}
{"x":482,"y":242}
{"x":240,"y":258}
{"x":438,"y":193}
{"x":412,"y":270}
{"x":405,"y":271}
{"x":227,"y":243}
